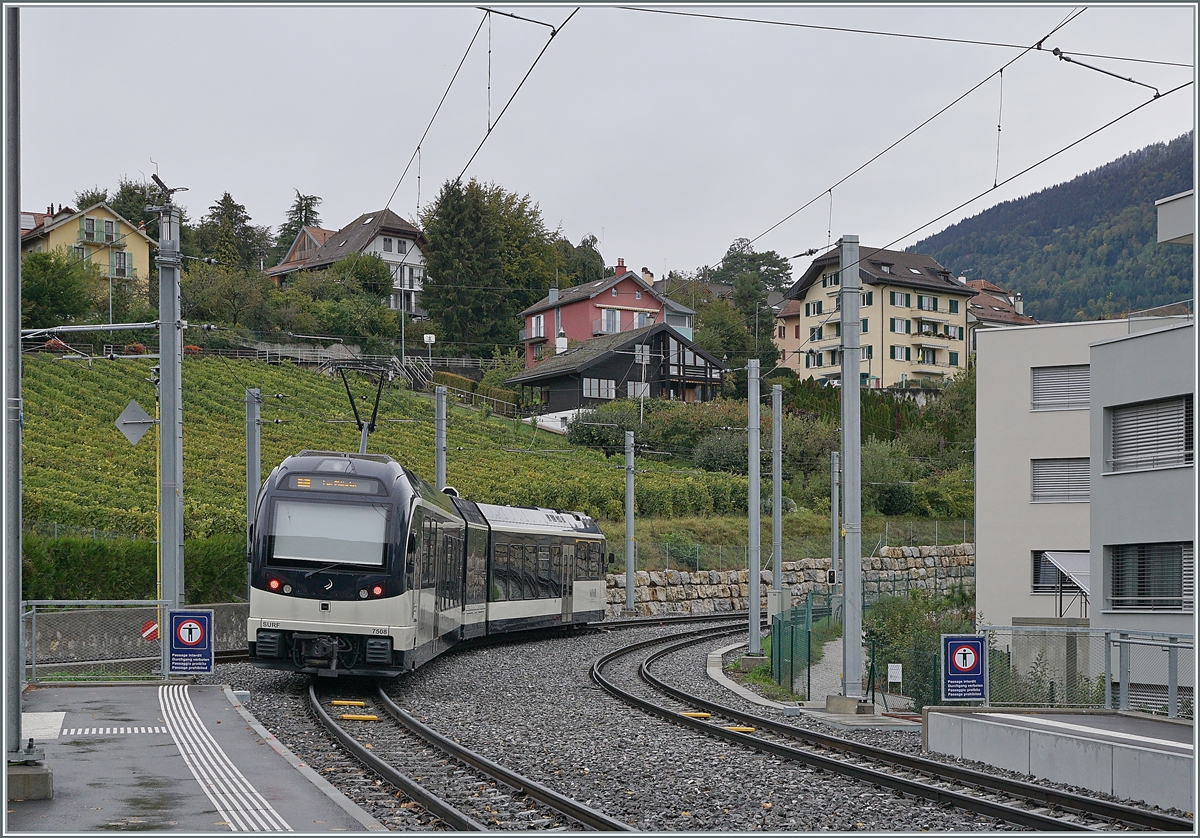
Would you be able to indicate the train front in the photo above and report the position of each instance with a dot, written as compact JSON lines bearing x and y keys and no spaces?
{"x":327,"y":561}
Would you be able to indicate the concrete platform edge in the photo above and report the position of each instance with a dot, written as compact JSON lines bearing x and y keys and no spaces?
{"x":324,"y":786}
{"x":717,"y":673}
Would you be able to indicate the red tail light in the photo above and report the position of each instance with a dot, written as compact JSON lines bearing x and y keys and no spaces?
{"x":377,"y":590}
{"x":273,"y":584}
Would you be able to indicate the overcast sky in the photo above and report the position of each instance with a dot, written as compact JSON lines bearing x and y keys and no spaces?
{"x":666,"y":136}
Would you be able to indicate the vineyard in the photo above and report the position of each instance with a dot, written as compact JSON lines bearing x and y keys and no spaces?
{"x":80,"y":471}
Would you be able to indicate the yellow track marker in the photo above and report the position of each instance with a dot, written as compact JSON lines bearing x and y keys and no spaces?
{"x":343,"y":702}
{"x":358,"y":717}
{"x":697,"y":715}
{"x":741,"y":729}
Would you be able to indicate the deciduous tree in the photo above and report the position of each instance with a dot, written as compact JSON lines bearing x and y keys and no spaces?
{"x":56,"y":289}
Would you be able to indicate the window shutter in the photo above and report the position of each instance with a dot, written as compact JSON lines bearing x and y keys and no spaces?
{"x":1189,"y":577}
{"x":1061,"y":388}
{"x":864,"y":325}
{"x":1060,"y":480}
{"x":908,"y":327}
{"x":1152,"y":434}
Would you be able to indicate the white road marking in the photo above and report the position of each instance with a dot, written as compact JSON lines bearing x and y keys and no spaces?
{"x":41,"y":726}
{"x":1092,"y":730}
{"x":237,"y":801}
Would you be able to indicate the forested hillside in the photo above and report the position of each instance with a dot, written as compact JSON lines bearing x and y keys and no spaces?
{"x":1084,"y":249}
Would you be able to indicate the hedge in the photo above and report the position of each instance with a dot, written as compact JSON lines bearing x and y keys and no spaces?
{"x":459,"y":382}
{"x":214,"y":569}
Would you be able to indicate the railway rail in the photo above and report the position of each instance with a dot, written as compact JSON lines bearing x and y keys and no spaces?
{"x":1013,"y":801}
{"x":465,"y":790}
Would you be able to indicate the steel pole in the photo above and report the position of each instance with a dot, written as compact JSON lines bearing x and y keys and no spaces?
{"x":629,"y":557}
{"x":754,"y":503}
{"x":170,"y":428}
{"x":253,"y":470}
{"x":14,"y":652}
{"x":850,"y":291}
{"x":777,"y":489}
{"x":440,"y":442}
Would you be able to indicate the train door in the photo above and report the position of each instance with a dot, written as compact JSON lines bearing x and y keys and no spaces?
{"x":427,"y":583}
{"x":566,"y":564}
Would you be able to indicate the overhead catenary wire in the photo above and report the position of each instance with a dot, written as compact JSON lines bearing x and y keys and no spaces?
{"x":553,"y":33}
{"x":885,"y":33}
{"x":1070,"y":17}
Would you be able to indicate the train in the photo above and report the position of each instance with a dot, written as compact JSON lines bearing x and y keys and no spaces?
{"x":360,"y":567}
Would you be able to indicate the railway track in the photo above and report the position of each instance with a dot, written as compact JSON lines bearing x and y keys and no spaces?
{"x":1012,"y":801}
{"x":465,"y":790}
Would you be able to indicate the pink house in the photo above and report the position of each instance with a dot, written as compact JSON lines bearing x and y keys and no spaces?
{"x":607,"y":306}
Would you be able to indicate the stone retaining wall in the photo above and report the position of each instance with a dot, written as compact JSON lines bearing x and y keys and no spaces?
{"x":894,"y":570}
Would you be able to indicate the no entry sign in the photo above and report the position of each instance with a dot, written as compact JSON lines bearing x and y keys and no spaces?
{"x":191,"y":642}
{"x":964,"y":668}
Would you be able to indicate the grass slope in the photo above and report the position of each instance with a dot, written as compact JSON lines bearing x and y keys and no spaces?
{"x":79,"y":470}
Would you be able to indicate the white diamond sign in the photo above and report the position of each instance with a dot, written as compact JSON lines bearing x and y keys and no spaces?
{"x":134,"y":422}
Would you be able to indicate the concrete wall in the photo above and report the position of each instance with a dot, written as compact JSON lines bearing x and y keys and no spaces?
{"x":1158,"y":777}
{"x":1009,"y":434}
{"x":896,"y":570}
{"x":1142,"y":506}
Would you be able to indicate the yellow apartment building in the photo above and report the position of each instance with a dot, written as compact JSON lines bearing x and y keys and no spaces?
{"x":97,"y":234}
{"x":913,"y":320}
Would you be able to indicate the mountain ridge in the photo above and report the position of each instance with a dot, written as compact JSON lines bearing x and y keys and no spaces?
{"x":1083,"y":249}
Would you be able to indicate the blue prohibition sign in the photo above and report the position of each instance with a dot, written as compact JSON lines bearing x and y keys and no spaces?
{"x":191,"y":641}
{"x":963,"y":668}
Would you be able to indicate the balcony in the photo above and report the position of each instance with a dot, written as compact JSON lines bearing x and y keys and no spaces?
{"x":112,"y":272}
{"x":931,"y":340}
{"x":600,"y":327}
{"x":524,"y":336}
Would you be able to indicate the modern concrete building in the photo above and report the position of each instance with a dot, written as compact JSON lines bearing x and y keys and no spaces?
{"x":1143,"y":481}
{"x":1032,"y":469}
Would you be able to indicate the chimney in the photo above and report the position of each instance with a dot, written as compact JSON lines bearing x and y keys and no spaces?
{"x":1019,"y":304}
{"x":963,"y":280}
{"x":560,"y":343}
{"x":50,"y":210}
{"x":620,"y":269}
{"x":647,"y":276}
{"x":554,"y":294}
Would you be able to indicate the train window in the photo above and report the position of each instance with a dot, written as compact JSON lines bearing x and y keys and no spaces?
{"x":543,"y":571}
{"x":556,"y":570}
{"x":581,"y":560}
{"x":499,"y":573}
{"x":346,"y":533}
{"x":531,"y":572}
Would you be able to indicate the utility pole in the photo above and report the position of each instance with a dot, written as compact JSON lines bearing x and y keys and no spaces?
{"x":754,"y":504}
{"x":440,"y":437}
{"x":14,"y":651}
{"x":850,"y":290}
{"x":170,"y":400}
{"x":775,"y":595}
{"x":629,"y":557}
{"x":253,"y":469}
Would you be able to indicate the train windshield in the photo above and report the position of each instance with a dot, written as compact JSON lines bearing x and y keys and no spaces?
{"x":346,"y":533}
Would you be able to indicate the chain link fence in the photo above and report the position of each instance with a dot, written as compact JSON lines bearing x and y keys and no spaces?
{"x":1050,"y":666}
{"x":91,"y":640}
{"x":797,"y":637}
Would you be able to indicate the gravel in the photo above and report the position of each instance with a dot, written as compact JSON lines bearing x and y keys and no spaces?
{"x":533,"y":707}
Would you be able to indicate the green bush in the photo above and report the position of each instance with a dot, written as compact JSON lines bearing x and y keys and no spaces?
{"x":908,"y":630}
{"x":214,"y":569}
{"x":498,"y":393}
{"x":459,"y":382}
